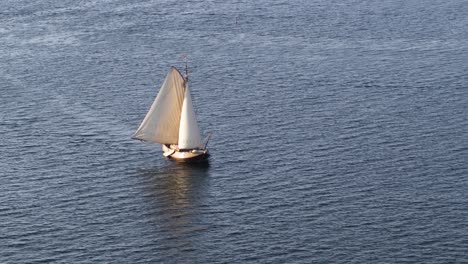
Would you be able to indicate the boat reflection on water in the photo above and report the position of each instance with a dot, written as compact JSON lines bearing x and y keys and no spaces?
{"x":176,"y":195}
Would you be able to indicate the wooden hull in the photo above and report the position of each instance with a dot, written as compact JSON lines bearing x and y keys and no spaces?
{"x":193,"y":155}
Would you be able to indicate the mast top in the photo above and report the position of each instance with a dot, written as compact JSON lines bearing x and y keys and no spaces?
{"x":184,"y":56}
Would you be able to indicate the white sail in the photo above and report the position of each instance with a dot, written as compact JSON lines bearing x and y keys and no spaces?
{"x":161,"y":123}
{"x":189,"y":132}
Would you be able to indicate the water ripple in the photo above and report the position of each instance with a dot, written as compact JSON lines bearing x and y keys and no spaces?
{"x":339,"y":132}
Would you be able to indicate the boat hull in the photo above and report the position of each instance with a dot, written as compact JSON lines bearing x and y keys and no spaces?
{"x":193,"y":155}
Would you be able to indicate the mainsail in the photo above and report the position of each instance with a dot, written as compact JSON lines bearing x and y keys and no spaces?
{"x":189,"y":132}
{"x":161,"y":123}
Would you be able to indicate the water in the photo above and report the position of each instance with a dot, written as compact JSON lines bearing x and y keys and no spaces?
{"x":339,"y":132}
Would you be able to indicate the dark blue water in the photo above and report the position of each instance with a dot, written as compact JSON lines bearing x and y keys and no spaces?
{"x":340,"y":132}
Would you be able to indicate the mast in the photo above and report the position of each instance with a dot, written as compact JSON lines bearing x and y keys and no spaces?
{"x":185,"y":68}
{"x":189,"y":132}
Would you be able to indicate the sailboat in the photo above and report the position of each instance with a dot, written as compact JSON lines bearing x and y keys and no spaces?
{"x":172,"y":122}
